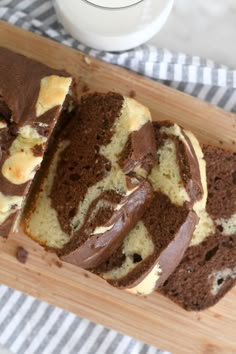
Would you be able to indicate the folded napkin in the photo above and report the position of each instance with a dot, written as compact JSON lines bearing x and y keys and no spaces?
{"x":29,"y":326}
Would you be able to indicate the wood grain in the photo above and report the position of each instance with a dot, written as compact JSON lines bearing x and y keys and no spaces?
{"x":155,"y":319}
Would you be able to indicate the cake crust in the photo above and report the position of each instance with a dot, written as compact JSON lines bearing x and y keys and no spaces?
{"x":29,"y":110}
{"x":98,"y":189}
{"x":208,"y":269}
{"x":157,"y":243}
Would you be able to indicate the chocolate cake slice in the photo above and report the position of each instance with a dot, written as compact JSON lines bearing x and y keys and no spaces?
{"x":208,"y":268}
{"x":31,"y":98}
{"x":95,"y":191}
{"x":153,"y":249}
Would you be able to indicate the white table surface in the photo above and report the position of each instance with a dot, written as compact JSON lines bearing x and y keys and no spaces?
{"x":201,"y":27}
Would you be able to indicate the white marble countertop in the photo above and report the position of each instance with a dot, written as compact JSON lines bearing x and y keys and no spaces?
{"x":201,"y":27}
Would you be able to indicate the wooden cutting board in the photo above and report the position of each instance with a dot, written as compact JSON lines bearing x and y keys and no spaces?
{"x":155,"y":319}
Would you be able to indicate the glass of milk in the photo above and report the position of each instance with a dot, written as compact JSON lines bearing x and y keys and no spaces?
{"x":113,"y":25}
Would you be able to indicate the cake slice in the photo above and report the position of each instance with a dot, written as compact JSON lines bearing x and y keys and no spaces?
{"x":208,"y":268}
{"x":31,"y":99}
{"x":95,"y":189}
{"x":155,"y":246}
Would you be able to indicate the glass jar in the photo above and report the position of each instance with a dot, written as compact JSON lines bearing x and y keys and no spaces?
{"x":113,"y":25}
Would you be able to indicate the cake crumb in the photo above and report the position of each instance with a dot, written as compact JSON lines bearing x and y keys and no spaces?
{"x":87,"y":60}
{"x":21,"y":254}
{"x":132,"y":94}
{"x":86,"y":275}
{"x":218,"y":316}
{"x":58,"y":264}
{"x":85,"y":88}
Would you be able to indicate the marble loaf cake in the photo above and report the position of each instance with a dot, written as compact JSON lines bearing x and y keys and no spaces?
{"x":115,"y":193}
{"x":208,"y":268}
{"x":31,"y":99}
{"x":153,"y":249}
{"x":95,"y":189}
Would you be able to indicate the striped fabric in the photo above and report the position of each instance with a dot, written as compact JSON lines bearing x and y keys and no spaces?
{"x":29,"y":326}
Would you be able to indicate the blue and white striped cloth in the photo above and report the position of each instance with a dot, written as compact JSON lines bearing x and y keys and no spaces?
{"x":29,"y":326}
